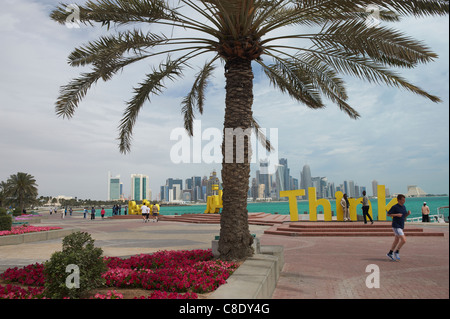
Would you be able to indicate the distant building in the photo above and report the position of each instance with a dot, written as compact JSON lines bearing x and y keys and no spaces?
{"x":139,"y":187}
{"x":115,"y":187}
{"x":305,"y":179}
{"x":375,"y":188}
{"x":415,"y":191}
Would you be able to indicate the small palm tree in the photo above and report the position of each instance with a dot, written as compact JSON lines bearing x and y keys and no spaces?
{"x":20,"y":189}
{"x":237,"y":33}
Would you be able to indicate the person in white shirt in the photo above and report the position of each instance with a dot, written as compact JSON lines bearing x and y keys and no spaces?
{"x":145,"y":212}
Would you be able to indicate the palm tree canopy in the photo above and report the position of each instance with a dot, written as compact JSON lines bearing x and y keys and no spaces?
{"x":21,"y":189}
{"x":320,"y":40}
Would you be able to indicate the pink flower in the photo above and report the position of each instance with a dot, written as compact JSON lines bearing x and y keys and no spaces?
{"x":173,"y":274}
{"x":17,"y":230}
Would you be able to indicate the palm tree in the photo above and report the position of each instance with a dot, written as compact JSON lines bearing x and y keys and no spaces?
{"x":21,"y":189}
{"x":2,"y":193}
{"x":307,"y":43}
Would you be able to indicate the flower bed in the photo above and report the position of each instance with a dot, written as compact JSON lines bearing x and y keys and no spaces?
{"x":27,"y":216}
{"x":168,"y":274}
{"x":17,"y":230}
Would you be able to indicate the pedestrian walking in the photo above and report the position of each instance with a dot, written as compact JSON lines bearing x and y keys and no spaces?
{"x":365,"y":208}
{"x":92,"y":213}
{"x":145,"y":213}
{"x":155,"y":213}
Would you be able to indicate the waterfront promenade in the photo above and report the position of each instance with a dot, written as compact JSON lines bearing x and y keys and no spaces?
{"x":314,"y":267}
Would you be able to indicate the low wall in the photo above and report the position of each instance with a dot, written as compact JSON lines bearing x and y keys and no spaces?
{"x":256,"y":278}
{"x":35,"y":236}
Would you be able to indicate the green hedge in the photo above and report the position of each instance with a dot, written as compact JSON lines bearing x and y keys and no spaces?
{"x":5,"y":220}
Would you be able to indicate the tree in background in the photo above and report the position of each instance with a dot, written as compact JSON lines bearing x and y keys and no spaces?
{"x":19,"y":190}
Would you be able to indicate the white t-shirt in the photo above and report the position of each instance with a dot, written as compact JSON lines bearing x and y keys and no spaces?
{"x":145,"y":210}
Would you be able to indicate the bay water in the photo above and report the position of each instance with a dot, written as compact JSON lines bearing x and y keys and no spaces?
{"x":414,"y":204}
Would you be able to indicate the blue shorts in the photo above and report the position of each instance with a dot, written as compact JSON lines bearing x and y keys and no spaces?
{"x":398,"y":231}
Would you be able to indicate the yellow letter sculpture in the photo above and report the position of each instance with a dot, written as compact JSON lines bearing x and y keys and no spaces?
{"x":292,"y":195}
{"x":214,"y":203}
{"x":382,"y":207}
{"x":313,"y":203}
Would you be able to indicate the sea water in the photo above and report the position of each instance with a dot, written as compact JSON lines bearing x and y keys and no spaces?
{"x":414,"y":204}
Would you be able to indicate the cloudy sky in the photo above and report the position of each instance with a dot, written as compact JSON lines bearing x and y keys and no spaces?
{"x":401,"y":139}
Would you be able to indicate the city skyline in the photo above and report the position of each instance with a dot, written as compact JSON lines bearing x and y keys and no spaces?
{"x":401,"y":139}
{"x":174,"y":188}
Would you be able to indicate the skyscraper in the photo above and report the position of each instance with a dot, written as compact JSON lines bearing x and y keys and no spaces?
{"x":264,"y":177}
{"x":375,"y":188}
{"x":139,"y":187}
{"x":286,"y":183}
{"x":114,"y":187}
{"x":305,"y":179}
{"x":279,"y":178}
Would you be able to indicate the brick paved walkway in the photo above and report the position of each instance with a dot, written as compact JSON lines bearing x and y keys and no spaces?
{"x":335,"y":267}
{"x":315,"y":267}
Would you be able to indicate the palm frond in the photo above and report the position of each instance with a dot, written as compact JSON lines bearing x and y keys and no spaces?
{"x":366,"y":69}
{"x":384,"y":45}
{"x":72,"y":93}
{"x":326,"y":80}
{"x":261,"y":137}
{"x":417,"y":8}
{"x":196,"y":96}
{"x":321,"y":12}
{"x":112,"y":47}
{"x":109,"y":12}
{"x":294,"y":83}
{"x":153,"y":84}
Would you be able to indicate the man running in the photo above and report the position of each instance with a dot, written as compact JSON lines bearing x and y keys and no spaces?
{"x":398,"y":213}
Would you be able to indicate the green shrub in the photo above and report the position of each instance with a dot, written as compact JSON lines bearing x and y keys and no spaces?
{"x":5,"y":222}
{"x":78,"y":253}
{"x":17,"y":212}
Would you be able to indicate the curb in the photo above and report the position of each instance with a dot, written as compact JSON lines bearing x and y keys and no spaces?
{"x":36,"y":236}
{"x":256,"y":278}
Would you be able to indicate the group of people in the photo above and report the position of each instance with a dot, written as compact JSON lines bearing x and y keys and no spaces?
{"x":63,"y":213}
{"x":85,"y":213}
{"x":145,"y":210}
{"x":117,"y":210}
{"x":365,"y":208}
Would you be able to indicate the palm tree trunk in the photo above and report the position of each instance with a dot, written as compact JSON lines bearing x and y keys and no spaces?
{"x":235,"y":241}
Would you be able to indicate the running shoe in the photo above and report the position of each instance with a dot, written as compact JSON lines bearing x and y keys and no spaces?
{"x":391,"y":256}
{"x":397,"y":256}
